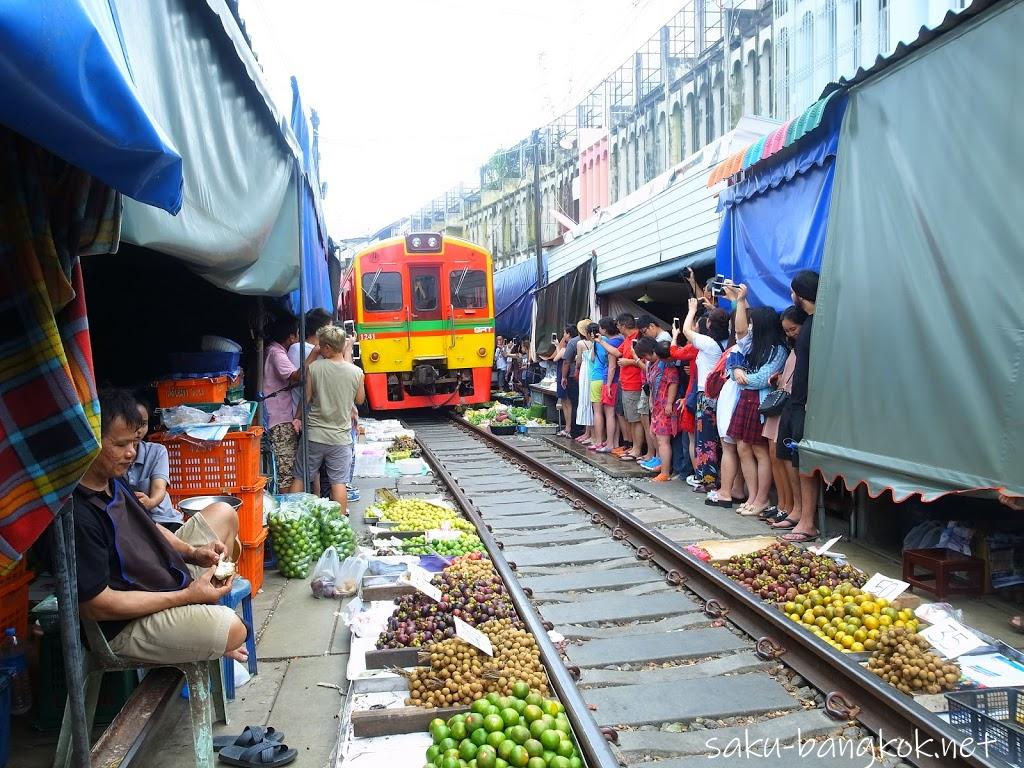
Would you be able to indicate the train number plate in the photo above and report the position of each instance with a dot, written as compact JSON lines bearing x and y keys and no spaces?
{"x":482,"y":329}
{"x":367,"y":336}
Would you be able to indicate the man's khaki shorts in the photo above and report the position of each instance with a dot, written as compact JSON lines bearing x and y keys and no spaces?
{"x":182,"y":634}
{"x":631,"y":405}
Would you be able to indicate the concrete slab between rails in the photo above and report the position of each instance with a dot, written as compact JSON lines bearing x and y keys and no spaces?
{"x":413,"y":484}
{"x":655,"y":516}
{"x":687,"y":534}
{"x":605,"y":565}
{"x":578,"y":553}
{"x":534,"y":522}
{"x":556,"y":537}
{"x":783,"y":730}
{"x":670,"y":624}
{"x":681,"y":496}
{"x":664,"y":646}
{"x":637,"y":574}
{"x":573,"y":596}
{"x":521,"y":499}
{"x":610,"y":465}
{"x":685,"y":700}
{"x":735,"y":663}
{"x":510,"y":513}
{"x":612,"y":607}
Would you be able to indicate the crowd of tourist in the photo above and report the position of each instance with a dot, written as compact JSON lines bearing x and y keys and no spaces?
{"x":718,"y":402}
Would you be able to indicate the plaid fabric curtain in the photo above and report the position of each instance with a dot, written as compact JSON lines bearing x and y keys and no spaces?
{"x":50,"y":215}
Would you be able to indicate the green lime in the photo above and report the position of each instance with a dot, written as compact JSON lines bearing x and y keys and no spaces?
{"x":537,"y":727}
{"x":532,"y":712}
{"x":505,"y":748}
{"x":478,"y":737}
{"x":494,"y":723}
{"x":519,"y":734}
{"x":474,"y":721}
{"x":499,"y":763}
{"x":480,"y":706}
{"x":534,"y":748}
{"x":457,"y":730}
{"x":536,"y":762}
{"x":510,"y":717}
{"x":561,"y":724}
{"x":548,"y":755}
{"x":575,"y":762}
{"x":439,"y":731}
{"x":551,"y":740}
{"x":518,"y":705}
{"x":467,"y":750}
{"x":437,"y":721}
{"x":550,"y":707}
{"x":559,"y":762}
{"x":566,"y":749}
{"x":505,"y":702}
{"x":534,"y":698}
{"x":447,"y":744}
{"x":495,"y":738}
{"x":517,"y":758}
{"x":492,"y":710}
{"x":486,"y":757}
{"x":450,"y":762}
{"x":520,"y":689}
{"x":493,"y":698}
{"x":432,"y":752}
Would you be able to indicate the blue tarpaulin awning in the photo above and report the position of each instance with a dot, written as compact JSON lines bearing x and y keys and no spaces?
{"x":513,"y":298}
{"x":658,"y":271}
{"x":68,"y":88}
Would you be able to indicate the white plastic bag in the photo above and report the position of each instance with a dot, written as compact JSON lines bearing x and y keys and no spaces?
{"x":327,"y":575}
{"x":350,"y":577}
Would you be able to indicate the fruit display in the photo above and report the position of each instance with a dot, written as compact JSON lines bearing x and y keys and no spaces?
{"x":418,"y":620}
{"x":296,"y":535}
{"x":903,"y":659}
{"x":419,"y":515}
{"x":404,"y":443}
{"x":336,"y":532}
{"x":780,"y":572}
{"x":463,"y":545}
{"x":502,"y":414}
{"x":459,"y":673}
{"x":848,"y":618}
{"x":523,"y":730}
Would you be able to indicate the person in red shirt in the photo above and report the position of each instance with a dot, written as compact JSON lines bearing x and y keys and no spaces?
{"x":631,"y":382}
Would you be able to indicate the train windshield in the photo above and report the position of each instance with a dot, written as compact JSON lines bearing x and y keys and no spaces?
{"x":382,"y":292}
{"x":468,"y":288}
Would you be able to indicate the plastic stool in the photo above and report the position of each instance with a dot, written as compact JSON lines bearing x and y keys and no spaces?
{"x":241,"y":592}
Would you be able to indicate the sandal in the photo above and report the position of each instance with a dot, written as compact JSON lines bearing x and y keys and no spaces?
{"x":798,"y":538}
{"x":562,"y":433}
{"x":1017,"y":624}
{"x":250,"y":736}
{"x":628,"y":457}
{"x":663,"y":478}
{"x":768,"y":512}
{"x":714,"y":501}
{"x":268,"y":753}
{"x":785,"y":524}
{"x":748,"y":511}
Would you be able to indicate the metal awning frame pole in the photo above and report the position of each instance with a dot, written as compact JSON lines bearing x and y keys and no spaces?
{"x":63,"y":533}
{"x":304,"y":437}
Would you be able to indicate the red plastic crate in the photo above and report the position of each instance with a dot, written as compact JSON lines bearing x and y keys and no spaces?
{"x":171,"y":392}
{"x":197,"y":465}
{"x":250,"y":565}
{"x":14,"y":602}
{"x":250,"y":515}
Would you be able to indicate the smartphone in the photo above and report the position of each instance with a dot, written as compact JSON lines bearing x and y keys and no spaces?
{"x":554,"y":338}
{"x":718,"y":285}
{"x":349,"y":327}
{"x":675,"y":322}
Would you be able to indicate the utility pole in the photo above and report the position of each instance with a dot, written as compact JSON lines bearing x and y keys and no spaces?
{"x":536,"y":209}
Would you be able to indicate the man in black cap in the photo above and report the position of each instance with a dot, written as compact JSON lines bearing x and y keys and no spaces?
{"x":804,"y":292}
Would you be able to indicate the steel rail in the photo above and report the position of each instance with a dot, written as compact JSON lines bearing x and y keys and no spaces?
{"x":852,"y":693}
{"x":593,"y":742}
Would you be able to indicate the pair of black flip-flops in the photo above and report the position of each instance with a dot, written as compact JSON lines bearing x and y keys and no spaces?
{"x":255,"y":747}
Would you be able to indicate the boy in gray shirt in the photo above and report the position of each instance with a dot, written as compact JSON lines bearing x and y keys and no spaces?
{"x":149,"y":475}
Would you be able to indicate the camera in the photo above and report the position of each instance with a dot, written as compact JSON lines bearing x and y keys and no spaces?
{"x":718,"y":285}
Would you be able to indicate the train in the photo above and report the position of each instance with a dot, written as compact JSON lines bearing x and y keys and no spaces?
{"x":421,"y":307}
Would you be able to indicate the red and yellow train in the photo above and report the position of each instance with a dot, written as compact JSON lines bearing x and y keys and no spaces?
{"x":423,"y":312}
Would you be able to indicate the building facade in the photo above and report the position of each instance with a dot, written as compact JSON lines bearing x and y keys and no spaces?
{"x":687,"y":86}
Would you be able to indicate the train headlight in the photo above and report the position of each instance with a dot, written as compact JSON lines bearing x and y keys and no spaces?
{"x":374,"y":357}
{"x":424,"y":242}
{"x":432,"y":242}
{"x":482,"y":352}
{"x":417,"y":242}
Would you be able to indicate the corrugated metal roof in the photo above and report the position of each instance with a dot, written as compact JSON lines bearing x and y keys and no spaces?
{"x":811,"y":117}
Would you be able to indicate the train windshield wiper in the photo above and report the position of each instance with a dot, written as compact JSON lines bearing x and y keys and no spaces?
{"x":376,"y":277}
{"x":461,"y":280}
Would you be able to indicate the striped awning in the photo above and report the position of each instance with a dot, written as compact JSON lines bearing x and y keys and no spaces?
{"x":768,"y":145}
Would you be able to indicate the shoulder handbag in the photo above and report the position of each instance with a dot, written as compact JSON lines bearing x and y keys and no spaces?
{"x":774,"y":402}
{"x":716,"y":380}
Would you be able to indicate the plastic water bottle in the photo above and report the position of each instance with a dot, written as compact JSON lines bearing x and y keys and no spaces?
{"x":12,"y":658}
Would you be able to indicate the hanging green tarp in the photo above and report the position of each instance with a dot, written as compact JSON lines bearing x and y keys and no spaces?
{"x":917,"y":360}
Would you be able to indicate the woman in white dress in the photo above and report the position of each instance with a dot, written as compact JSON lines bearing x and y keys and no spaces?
{"x":585,"y":409}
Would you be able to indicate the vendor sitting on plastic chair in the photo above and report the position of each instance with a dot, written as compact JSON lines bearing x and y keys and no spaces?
{"x":153,"y":593}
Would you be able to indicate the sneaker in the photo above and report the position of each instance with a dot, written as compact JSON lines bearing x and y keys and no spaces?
{"x":353,"y":494}
{"x":692,"y":481}
{"x":652,"y":465}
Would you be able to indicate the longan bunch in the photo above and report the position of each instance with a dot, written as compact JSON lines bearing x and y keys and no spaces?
{"x":460,"y":674}
{"x":471,"y":570}
{"x":903,"y":659}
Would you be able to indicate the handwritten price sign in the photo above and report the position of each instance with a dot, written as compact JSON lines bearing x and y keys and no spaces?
{"x":474,"y":637}
{"x":420,"y":581}
{"x":884,"y":587}
{"x":951,"y":638}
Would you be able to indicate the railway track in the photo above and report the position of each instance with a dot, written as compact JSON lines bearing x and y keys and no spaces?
{"x":658,"y":654}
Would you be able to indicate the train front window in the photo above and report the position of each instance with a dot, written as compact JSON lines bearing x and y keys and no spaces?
{"x":424,"y":292}
{"x":382,"y":292}
{"x":468,"y":288}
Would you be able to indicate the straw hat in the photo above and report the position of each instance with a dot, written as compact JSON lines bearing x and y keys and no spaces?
{"x":581,"y":326}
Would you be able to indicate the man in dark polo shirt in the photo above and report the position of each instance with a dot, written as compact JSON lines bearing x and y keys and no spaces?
{"x":152,"y":592}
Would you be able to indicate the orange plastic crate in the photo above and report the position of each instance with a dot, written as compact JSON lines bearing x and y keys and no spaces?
{"x":170,"y":392}
{"x":197,"y":466}
{"x":250,"y":515}
{"x":250,"y":565}
{"x":14,"y":602}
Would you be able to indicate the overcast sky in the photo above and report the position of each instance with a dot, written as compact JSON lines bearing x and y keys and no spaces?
{"x":414,"y":95}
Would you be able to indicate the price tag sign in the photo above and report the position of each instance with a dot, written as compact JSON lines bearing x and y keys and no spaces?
{"x":825,"y":547}
{"x":420,"y":581}
{"x":474,"y":637}
{"x":885,"y":587}
{"x":951,"y":638}
{"x":443,"y":535}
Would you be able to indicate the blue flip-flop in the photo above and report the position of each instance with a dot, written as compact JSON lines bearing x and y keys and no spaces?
{"x":266,"y":753}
